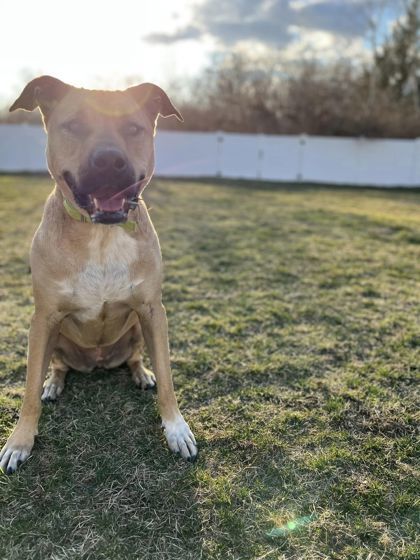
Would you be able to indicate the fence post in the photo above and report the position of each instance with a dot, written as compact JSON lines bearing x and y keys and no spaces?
{"x":260,"y":155}
{"x":220,"y":139}
{"x":301,"y":157}
{"x":415,"y":166}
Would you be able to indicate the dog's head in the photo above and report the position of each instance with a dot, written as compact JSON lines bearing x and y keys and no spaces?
{"x":100,"y":143}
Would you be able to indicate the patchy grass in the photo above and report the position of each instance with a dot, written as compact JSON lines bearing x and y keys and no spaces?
{"x":294,"y":326}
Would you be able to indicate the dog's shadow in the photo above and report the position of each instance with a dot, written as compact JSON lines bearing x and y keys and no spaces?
{"x":101,"y":453}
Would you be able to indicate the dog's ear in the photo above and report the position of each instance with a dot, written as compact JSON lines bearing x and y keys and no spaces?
{"x":154,"y":100}
{"x":43,"y":92}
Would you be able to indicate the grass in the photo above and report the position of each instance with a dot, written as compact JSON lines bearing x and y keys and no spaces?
{"x":294,"y":327}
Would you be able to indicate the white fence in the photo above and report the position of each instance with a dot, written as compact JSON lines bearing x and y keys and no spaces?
{"x":345,"y":161}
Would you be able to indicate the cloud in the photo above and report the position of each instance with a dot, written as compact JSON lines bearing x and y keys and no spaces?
{"x":188,"y":32}
{"x":269,"y":21}
{"x":341,"y":18}
{"x":268,"y":32}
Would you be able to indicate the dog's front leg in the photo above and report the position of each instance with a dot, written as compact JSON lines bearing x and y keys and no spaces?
{"x":43,"y":335}
{"x":154,"y":325}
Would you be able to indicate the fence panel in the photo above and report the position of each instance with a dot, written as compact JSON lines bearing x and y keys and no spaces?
{"x":385,"y":162}
{"x":187,"y":154}
{"x":239,"y":156}
{"x":329,"y":160}
{"x":281,"y":158}
{"x":22,"y":148}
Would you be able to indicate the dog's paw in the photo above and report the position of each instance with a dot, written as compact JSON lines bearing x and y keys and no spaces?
{"x":180,"y":438}
{"x":15,"y":452}
{"x":51,"y":391}
{"x":144,"y":378}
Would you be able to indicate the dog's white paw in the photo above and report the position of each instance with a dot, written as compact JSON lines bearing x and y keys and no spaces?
{"x":51,"y":391}
{"x":15,"y":452}
{"x":144,"y":378}
{"x":180,"y":438}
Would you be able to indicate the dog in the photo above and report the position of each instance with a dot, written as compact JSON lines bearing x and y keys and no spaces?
{"x":95,"y":259}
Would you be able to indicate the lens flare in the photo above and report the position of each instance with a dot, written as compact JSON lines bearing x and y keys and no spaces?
{"x":290,"y":526}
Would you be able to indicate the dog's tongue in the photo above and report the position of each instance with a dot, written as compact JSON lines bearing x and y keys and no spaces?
{"x":109,"y":204}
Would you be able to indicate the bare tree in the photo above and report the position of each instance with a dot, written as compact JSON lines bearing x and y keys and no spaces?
{"x":374,"y":13}
{"x":398,"y":60}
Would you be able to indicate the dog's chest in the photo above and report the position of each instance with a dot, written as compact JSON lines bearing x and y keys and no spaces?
{"x":106,"y":277}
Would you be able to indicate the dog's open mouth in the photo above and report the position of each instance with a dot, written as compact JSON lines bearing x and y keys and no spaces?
{"x":103,"y":205}
{"x":110,"y":210}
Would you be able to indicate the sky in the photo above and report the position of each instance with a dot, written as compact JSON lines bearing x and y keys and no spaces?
{"x":110,"y":45}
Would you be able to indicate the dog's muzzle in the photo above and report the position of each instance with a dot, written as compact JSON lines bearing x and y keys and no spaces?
{"x":107,"y":188}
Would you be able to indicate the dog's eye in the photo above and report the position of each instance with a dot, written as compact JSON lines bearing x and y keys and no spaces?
{"x":75,"y":127}
{"x":132,"y":129}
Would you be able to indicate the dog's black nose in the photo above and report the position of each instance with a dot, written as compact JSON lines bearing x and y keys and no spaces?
{"x":105,"y":160}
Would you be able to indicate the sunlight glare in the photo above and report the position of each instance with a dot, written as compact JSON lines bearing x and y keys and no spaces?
{"x":97,"y":44}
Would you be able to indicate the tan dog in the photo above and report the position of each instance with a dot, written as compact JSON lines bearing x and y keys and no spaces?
{"x":95,"y":259}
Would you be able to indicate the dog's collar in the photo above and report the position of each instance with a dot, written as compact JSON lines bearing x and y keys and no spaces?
{"x":74,"y":213}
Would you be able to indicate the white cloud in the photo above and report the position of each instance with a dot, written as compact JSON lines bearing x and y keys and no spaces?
{"x":323,"y":45}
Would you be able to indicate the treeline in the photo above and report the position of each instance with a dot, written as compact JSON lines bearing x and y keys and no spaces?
{"x":319,"y":100}
{"x":264,"y":95}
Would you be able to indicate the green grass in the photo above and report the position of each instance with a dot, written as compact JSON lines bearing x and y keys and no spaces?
{"x":294,"y":327}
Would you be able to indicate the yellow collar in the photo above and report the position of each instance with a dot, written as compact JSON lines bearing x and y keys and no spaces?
{"x":74,"y":213}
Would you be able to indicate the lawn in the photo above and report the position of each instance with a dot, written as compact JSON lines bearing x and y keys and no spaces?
{"x":294,"y":327}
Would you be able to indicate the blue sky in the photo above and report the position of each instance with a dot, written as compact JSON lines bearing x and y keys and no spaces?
{"x":93,"y":43}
